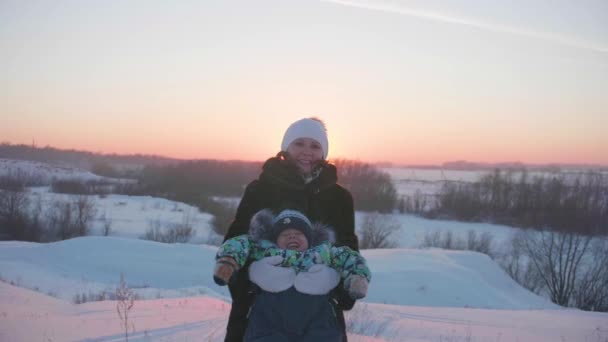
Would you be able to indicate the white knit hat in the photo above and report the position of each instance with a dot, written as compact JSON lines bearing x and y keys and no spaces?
{"x":306,"y":128}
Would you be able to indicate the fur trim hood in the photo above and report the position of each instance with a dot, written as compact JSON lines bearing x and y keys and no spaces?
{"x":261,"y":228}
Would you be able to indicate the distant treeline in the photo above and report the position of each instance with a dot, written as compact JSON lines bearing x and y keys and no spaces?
{"x":568,"y":204}
{"x":189,"y":181}
{"x":82,"y":159}
{"x":193,"y":181}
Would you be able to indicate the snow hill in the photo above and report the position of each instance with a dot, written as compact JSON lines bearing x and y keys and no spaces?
{"x":415,"y":295}
{"x":91,"y":265}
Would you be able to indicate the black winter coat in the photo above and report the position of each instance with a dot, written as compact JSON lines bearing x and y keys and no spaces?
{"x":322,"y":200}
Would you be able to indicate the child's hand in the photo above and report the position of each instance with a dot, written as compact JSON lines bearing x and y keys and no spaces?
{"x":225,"y":268}
{"x":356,"y":286}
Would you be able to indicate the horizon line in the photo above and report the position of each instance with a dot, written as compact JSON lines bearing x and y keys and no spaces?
{"x":472,"y":163}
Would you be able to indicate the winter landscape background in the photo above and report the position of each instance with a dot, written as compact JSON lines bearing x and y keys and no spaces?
{"x":67,"y":290}
{"x":471,"y":134}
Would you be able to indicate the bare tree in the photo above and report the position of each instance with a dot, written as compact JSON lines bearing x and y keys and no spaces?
{"x":591,"y":292}
{"x":71,"y":218}
{"x":85,"y":211}
{"x":556,"y":256}
{"x":516,"y":263}
{"x":107,"y":224}
{"x":481,"y":243}
{"x":13,"y":213}
{"x":377,"y":231}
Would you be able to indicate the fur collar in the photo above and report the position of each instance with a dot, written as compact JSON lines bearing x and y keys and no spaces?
{"x":261,"y":229}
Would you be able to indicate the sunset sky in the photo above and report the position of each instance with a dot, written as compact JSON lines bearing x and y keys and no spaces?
{"x":413,"y":82}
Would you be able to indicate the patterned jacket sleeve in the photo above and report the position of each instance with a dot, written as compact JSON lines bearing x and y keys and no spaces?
{"x":237,"y":248}
{"x":349,"y":262}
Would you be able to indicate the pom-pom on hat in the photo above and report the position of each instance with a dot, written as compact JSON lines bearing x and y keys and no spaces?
{"x":306,"y":128}
{"x":291,"y":219}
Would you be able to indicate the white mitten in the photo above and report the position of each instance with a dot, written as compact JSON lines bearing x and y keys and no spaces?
{"x":270,"y":277}
{"x":318,"y":280}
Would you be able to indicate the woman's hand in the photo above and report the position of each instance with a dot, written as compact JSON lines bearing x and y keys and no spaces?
{"x":318,"y":280}
{"x":269,"y":277}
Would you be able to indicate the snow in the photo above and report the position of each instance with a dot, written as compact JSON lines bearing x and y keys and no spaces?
{"x":415,"y":294}
{"x":47,"y":173}
{"x":431,"y":277}
{"x":414,"y":229}
{"x":26,"y":315}
{"x":132,"y":216}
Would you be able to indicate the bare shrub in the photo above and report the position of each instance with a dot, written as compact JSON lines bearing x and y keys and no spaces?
{"x":556,"y":257}
{"x":445,"y":241}
{"x":415,"y":204}
{"x":75,"y":187}
{"x":361,"y":321}
{"x":175,"y":233}
{"x":125,"y":299}
{"x":106,"y":225}
{"x":372,"y":189}
{"x":13,"y":213}
{"x":93,"y":297}
{"x":222,"y":211}
{"x":574,"y":203}
{"x":377,"y":231}
{"x":516,"y":263}
{"x":481,"y":243}
{"x":82,"y":187}
{"x":85,"y":211}
{"x":591,"y":292}
{"x":59,"y":220}
{"x":70,"y":218}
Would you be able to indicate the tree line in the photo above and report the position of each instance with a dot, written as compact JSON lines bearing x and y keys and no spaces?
{"x":568,"y":203}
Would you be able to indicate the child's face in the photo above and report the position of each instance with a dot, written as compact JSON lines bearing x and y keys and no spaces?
{"x":292,"y":239}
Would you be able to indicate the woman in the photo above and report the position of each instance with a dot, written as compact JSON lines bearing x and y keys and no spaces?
{"x":299,"y":177}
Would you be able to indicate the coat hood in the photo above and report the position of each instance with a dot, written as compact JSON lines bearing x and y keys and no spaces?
{"x":261,"y":228}
{"x":279,"y":170}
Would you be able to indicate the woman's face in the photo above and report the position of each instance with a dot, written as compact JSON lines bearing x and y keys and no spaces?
{"x":305,"y":153}
{"x":292,"y":239}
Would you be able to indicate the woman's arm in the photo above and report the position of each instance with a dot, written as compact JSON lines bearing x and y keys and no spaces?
{"x":249,"y":205}
{"x":345,"y":229}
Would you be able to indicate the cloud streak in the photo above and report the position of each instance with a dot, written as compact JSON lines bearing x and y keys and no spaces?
{"x":546,"y":36}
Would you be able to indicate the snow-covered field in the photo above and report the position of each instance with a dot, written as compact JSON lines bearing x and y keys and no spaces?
{"x":428,"y":182}
{"x":415,"y":294}
{"x":132,"y":216}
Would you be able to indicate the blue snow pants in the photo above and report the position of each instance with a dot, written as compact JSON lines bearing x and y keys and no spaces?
{"x":291,"y":316}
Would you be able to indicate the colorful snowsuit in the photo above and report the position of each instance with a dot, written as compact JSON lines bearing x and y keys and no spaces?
{"x":343,"y":259}
{"x":290,"y":315}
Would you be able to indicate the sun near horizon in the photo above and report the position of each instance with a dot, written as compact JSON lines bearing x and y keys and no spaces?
{"x":405,"y":83}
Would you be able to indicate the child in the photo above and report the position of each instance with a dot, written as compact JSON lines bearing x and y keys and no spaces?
{"x":291,"y":315}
